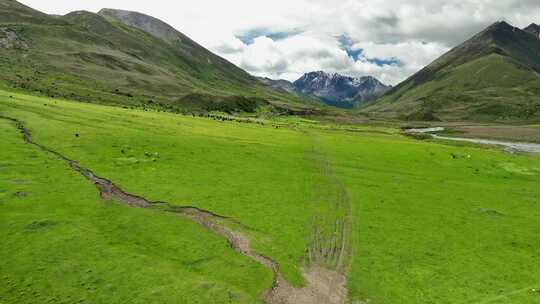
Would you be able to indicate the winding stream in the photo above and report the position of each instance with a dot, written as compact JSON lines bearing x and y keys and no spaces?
{"x":508,"y":145}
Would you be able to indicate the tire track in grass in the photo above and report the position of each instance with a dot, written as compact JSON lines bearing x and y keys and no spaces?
{"x":325,"y":286}
{"x":330,"y":228}
{"x":329,"y":241}
{"x":326,"y":257}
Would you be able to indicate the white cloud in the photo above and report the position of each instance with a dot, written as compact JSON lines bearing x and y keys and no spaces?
{"x":413,"y":55}
{"x":413,"y":31}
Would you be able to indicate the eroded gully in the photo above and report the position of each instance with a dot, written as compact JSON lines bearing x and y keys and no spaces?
{"x":323,"y":286}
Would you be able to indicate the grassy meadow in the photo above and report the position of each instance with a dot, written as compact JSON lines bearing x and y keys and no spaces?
{"x":62,"y":244}
{"x":430,"y":222}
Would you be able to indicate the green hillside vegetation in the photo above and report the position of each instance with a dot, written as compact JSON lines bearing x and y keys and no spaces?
{"x":492,"y":77}
{"x":424,"y":221}
{"x":87,"y":57}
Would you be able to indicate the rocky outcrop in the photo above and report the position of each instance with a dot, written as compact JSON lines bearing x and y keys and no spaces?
{"x":10,"y":40}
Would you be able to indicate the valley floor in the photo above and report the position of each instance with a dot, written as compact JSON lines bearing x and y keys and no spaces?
{"x":403,"y":221}
{"x":512,"y":133}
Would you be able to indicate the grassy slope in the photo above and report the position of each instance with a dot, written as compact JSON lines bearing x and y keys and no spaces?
{"x":491,"y":77}
{"x":491,"y":88}
{"x":427,"y":228}
{"x":91,"y":58}
{"x":62,"y":244}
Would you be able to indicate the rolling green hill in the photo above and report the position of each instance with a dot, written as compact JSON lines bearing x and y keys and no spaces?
{"x":99,"y":58}
{"x":491,"y":77}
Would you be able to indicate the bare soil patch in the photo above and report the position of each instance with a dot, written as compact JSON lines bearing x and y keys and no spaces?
{"x":323,"y":286}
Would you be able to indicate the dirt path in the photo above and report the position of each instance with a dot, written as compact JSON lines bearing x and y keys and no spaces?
{"x":324,"y":285}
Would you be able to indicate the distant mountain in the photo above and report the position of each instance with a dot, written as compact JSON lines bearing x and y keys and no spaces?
{"x":533,"y":29}
{"x":121,"y":57}
{"x":336,"y":88}
{"x":280,"y":84}
{"x":189,"y":48}
{"x":333,"y":89}
{"x":494,"y":76}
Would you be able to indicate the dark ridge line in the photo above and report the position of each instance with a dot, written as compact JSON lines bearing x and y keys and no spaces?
{"x":109,"y":191}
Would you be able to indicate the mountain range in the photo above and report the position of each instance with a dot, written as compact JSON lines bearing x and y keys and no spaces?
{"x":124,"y":58}
{"x":492,"y":77}
{"x":533,"y":29}
{"x":332,"y":88}
{"x":131,"y":59}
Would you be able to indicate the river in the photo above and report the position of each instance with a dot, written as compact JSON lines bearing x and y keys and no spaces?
{"x":508,"y":145}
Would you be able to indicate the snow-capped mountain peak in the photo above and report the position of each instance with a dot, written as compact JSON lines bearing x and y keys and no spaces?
{"x":333,"y":88}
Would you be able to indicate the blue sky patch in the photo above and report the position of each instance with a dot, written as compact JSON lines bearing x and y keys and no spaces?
{"x":346,"y":44}
{"x":249,"y":36}
{"x":385,"y":61}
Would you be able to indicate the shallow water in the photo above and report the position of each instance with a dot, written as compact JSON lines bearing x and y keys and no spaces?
{"x":425,"y":130}
{"x":508,"y":145}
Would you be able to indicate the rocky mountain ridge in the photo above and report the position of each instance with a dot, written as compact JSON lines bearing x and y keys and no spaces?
{"x":333,"y":88}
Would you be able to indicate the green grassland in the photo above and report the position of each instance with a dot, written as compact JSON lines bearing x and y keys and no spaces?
{"x":428,"y":222}
{"x":62,"y":244}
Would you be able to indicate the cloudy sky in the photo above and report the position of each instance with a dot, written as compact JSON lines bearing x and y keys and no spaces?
{"x":388,"y":39}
